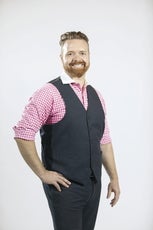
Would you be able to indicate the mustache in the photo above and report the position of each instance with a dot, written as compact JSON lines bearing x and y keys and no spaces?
{"x":78,"y":62}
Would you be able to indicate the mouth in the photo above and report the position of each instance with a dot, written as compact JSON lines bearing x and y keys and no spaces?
{"x":78,"y":65}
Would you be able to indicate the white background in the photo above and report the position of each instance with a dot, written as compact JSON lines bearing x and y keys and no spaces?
{"x":121,"y":36}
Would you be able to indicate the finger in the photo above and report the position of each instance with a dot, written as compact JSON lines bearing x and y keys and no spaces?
{"x":61,"y":181}
{"x":109,"y":191}
{"x":57,"y":186}
{"x":59,"y":174}
{"x":112,"y":203}
{"x":65,"y":180}
{"x":114,"y":200}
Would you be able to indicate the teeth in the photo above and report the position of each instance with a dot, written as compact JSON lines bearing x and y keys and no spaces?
{"x":78,"y":65}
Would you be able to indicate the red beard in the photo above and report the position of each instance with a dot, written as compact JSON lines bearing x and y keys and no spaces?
{"x":77,"y":69}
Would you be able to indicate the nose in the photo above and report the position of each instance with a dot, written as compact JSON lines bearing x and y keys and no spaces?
{"x":77,"y":58}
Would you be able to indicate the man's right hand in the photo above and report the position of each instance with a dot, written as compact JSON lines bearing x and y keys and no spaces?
{"x":56,"y":179}
{"x":29,"y":152}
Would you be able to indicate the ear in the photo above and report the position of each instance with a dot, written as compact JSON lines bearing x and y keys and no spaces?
{"x":61,"y":57}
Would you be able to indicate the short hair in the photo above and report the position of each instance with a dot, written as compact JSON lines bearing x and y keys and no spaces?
{"x":72,"y":35}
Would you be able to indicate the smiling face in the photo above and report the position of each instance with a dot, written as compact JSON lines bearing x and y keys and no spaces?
{"x":75,"y":57}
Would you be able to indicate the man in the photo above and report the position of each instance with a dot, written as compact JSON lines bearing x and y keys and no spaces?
{"x":70,"y":115}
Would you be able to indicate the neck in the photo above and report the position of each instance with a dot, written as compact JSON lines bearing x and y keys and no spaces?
{"x":80,"y":80}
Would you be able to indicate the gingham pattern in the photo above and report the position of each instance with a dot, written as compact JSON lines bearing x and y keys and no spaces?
{"x":46,"y":106}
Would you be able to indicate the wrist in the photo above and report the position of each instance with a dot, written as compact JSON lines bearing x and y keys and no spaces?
{"x":114,"y":178}
{"x":41,"y":174}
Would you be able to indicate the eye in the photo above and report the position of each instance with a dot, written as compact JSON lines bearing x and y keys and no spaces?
{"x":83,"y":53}
{"x":69,"y":54}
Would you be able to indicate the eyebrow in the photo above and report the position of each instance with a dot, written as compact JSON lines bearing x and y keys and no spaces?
{"x":85,"y":51}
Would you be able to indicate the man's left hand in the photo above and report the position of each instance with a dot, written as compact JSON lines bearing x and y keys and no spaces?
{"x":113,"y":187}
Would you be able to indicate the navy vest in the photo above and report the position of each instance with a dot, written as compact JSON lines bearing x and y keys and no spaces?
{"x":72,"y":146}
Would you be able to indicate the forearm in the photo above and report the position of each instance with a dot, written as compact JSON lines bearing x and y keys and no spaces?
{"x":30,"y":155}
{"x":109,"y":161}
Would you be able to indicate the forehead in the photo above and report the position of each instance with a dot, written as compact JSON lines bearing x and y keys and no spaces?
{"x":75,"y":45}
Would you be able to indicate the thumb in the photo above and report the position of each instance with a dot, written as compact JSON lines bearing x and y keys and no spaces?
{"x":109,"y":191}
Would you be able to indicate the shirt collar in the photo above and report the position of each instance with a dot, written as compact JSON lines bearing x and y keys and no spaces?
{"x":68,"y":80}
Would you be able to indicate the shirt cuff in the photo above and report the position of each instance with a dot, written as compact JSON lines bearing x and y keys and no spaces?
{"x":24,"y":134}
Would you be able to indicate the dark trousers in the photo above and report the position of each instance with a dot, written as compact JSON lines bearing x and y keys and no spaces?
{"x":74,"y":208}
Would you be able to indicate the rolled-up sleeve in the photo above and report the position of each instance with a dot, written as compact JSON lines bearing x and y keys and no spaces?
{"x":106,"y":135}
{"x":35,"y":114}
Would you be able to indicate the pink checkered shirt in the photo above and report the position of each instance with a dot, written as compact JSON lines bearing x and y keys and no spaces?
{"x":46,"y":106}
